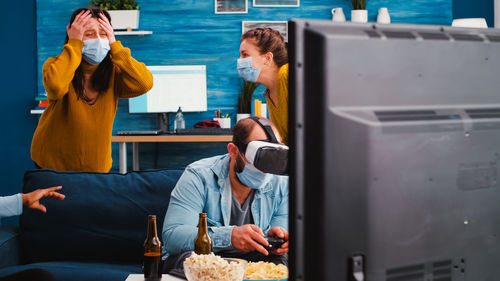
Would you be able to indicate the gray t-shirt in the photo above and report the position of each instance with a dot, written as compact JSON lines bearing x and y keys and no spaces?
{"x":242,"y":214}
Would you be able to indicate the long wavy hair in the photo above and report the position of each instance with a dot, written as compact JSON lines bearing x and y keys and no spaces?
{"x":100,"y":78}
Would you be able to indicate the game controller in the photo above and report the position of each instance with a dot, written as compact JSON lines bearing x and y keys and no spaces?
{"x":274,"y":243}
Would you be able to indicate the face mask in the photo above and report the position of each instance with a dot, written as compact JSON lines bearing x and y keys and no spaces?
{"x":252,"y":177}
{"x":247,"y":71}
{"x":95,"y":50}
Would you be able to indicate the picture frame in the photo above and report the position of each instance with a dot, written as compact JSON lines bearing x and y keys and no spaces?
{"x":231,"y":6}
{"x":276,"y":3}
{"x":281,"y":26}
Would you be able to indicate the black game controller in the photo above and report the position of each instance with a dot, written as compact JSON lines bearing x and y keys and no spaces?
{"x":274,"y":243}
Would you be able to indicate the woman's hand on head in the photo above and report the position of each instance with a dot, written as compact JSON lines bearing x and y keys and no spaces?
{"x":79,"y":25}
{"x":106,"y":26}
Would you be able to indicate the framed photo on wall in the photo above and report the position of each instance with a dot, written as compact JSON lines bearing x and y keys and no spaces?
{"x":276,"y":3}
{"x":281,"y":26}
{"x":231,"y":6}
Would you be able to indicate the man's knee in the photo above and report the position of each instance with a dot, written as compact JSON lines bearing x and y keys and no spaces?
{"x":175,"y":261}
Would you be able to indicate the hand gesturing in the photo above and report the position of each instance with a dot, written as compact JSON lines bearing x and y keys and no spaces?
{"x":32,"y":199}
{"x":106,"y":26}
{"x":79,"y":25}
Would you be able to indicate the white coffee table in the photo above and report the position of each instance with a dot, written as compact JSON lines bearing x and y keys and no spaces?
{"x":164,"y":277}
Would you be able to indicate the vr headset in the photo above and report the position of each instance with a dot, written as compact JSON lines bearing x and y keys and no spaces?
{"x":269,"y":156}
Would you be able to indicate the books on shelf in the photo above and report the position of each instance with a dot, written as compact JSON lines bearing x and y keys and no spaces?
{"x":259,"y":108}
{"x":41,"y":104}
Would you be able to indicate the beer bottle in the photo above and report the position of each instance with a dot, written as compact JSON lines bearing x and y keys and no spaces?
{"x":202,"y":243}
{"x":152,"y":252}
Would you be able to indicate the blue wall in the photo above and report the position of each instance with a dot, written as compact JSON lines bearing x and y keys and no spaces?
{"x":18,"y":80}
{"x":474,"y":9}
{"x":19,"y":57}
{"x":189,"y":32}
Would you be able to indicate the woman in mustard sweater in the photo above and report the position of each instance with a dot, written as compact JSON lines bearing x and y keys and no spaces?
{"x":264,"y":59}
{"x":83,"y":86}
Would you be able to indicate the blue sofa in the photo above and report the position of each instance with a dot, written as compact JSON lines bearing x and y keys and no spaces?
{"x":96,"y":233}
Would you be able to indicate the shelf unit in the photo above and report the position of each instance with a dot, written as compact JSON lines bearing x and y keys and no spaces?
{"x":37,"y":111}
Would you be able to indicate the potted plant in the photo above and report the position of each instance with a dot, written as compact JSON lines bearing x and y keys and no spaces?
{"x":245,"y":100}
{"x":359,"y":12}
{"x":124,"y":13}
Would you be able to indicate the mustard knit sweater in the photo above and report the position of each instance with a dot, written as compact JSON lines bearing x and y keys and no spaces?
{"x":73,"y":135}
{"x":279,"y":111}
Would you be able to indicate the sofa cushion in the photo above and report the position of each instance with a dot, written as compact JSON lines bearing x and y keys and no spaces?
{"x":104,"y":215}
{"x":80,"y":271}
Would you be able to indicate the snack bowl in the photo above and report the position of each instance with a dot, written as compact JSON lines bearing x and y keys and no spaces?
{"x":266,"y":271}
{"x":214,"y":268}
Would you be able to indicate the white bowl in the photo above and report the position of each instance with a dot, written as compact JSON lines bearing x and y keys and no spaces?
{"x":212,"y":272}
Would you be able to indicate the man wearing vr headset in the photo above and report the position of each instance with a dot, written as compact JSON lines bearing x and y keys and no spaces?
{"x":245,"y":196}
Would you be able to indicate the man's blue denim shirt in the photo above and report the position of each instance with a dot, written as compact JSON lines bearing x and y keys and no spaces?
{"x":202,"y":188}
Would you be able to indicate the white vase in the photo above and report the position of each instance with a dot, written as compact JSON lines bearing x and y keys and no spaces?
{"x":124,"y":19}
{"x":240,"y":116}
{"x":383,"y":16}
{"x":338,"y":15}
{"x":360,"y":16}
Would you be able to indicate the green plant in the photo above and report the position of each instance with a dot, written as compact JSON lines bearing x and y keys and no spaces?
{"x":358,"y":4}
{"x":115,"y":4}
{"x":245,"y":97}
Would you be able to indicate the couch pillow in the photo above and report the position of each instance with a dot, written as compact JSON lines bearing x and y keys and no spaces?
{"x":104,"y":215}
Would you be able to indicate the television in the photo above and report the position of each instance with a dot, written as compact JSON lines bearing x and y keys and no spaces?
{"x":395,"y":152}
{"x":174,"y":86}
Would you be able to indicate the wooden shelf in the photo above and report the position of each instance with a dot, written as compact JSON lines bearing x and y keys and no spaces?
{"x":173,"y":138}
{"x":138,"y":32}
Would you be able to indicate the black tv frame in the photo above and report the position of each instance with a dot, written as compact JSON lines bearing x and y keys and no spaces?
{"x":309,"y":259}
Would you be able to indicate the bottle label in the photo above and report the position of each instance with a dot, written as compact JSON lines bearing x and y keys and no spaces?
{"x":152,"y":265}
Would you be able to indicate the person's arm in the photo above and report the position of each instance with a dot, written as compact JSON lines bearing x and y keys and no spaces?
{"x":11,"y":205}
{"x":181,"y":220}
{"x":279,"y":221}
{"x":280,"y":215}
{"x":58,"y":71}
{"x":132,"y":77}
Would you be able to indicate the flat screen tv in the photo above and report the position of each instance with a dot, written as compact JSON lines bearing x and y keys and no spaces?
{"x":395,"y":138}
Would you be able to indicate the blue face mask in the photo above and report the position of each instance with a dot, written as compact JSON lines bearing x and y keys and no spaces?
{"x":95,"y":50}
{"x":252,"y":177}
{"x":247,"y":71}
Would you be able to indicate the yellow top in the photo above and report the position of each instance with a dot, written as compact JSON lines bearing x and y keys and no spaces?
{"x":73,"y":135}
{"x":279,"y":112}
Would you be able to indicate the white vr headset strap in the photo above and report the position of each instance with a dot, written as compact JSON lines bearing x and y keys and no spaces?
{"x":254,"y":146}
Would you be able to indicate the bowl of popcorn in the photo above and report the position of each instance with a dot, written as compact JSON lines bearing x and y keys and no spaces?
{"x":214,"y":268}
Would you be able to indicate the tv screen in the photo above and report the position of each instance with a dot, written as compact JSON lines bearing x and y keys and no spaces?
{"x":395,"y":138}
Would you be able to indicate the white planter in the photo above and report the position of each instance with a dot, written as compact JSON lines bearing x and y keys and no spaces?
{"x":124,"y":19}
{"x":240,"y":116}
{"x":360,"y":16}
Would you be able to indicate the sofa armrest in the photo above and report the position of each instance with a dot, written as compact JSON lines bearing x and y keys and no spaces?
{"x":9,"y":246}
